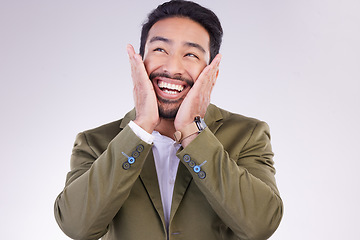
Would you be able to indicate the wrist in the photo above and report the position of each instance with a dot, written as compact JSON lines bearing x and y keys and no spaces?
{"x":186,"y":141}
{"x":190,"y":131}
{"x":146,"y":125}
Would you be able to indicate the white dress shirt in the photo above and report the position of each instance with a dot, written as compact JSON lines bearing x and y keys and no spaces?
{"x":166,"y":163}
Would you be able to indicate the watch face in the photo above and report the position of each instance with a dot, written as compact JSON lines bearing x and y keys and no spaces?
{"x":200,"y":123}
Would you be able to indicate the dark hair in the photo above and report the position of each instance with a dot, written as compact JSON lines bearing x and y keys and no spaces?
{"x":188,"y":9}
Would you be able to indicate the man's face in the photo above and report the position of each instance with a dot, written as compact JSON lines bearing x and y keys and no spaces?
{"x":176,"y":51}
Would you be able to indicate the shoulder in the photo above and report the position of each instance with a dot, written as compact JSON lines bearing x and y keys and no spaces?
{"x":228,"y":118}
{"x":105,"y":129}
{"x":108,"y":131}
{"x":231,"y":127}
{"x":96,"y":140}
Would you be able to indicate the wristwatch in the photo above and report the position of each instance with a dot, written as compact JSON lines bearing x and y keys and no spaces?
{"x":195,"y":127}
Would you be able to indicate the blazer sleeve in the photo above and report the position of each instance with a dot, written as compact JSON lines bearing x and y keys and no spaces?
{"x":98,"y":183}
{"x":238,"y":181}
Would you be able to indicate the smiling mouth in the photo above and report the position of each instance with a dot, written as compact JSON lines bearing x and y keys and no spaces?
{"x":170,"y":88}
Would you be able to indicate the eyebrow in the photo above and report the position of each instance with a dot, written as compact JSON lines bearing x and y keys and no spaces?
{"x":195,"y":45}
{"x":166,"y":40}
{"x":161,"y":39}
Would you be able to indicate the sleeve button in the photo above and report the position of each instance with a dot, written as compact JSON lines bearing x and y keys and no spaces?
{"x":131,"y":160}
{"x":202,"y":174}
{"x":135,"y":154}
{"x":186,"y":158}
{"x":191,"y":163}
{"x":126,"y":165}
{"x":140,"y":148}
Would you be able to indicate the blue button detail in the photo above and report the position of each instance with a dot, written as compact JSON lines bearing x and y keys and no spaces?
{"x":131,"y":160}
{"x":196,"y":169}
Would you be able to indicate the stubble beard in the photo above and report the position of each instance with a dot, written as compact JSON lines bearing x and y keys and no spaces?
{"x":169,"y":108}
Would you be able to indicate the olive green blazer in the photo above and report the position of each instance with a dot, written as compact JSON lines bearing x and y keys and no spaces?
{"x":112,"y":190}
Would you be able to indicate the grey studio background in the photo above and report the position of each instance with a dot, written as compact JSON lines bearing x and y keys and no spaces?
{"x":293,"y":64}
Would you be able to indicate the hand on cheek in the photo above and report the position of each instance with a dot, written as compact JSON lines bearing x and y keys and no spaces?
{"x":198,"y":98}
{"x":146,"y":107}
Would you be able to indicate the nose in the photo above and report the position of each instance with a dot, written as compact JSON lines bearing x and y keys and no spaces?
{"x":174,"y":66}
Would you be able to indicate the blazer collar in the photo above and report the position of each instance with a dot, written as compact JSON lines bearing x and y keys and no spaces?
{"x":213,"y":118}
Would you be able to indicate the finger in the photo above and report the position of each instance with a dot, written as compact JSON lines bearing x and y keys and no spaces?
{"x":138,"y":70}
{"x":207,"y":78}
{"x":134,"y":58}
{"x":131,"y":53}
{"x":215,"y":69}
{"x":130,"y":50}
{"x":211,"y":69}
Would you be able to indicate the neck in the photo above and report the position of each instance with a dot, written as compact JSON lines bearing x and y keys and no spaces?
{"x":166,"y":127}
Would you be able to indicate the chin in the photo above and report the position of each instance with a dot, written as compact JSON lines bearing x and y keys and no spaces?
{"x":168,"y":108}
{"x":168,"y":113}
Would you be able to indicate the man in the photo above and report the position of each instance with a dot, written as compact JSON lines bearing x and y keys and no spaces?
{"x":176,"y":166}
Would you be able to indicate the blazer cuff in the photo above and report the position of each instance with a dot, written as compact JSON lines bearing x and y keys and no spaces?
{"x":141,"y":133}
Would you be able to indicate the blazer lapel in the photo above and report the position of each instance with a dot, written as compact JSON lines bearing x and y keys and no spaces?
{"x":183,"y":179}
{"x":148,"y":177}
{"x":213,"y":119}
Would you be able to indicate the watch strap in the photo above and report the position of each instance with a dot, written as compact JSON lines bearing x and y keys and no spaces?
{"x":185,"y":132}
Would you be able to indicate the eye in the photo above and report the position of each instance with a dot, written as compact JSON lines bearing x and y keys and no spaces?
{"x":159,"y":50}
{"x":191,"y":55}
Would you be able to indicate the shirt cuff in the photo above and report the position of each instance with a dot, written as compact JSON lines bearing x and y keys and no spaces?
{"x":141,"y":133}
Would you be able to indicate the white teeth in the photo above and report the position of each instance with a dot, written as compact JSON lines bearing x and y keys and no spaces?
{"x":170,"y":92}
{"x":170,"y":86}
